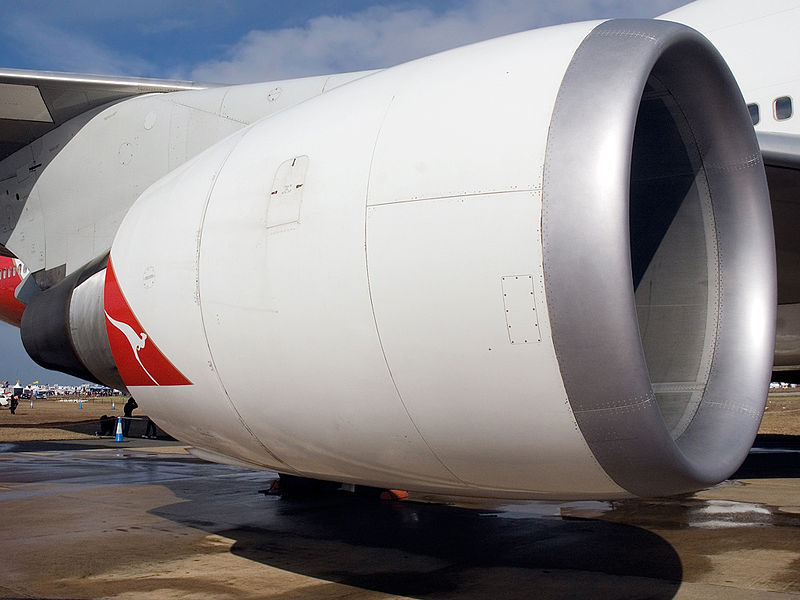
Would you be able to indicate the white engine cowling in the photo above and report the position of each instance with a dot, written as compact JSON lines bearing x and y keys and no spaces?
{"x":540,"y":266}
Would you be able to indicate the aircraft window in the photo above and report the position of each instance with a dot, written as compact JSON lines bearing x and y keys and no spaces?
{"x":755,"y":116}
{"x":783,"y":108}
{"x":14,"y":270}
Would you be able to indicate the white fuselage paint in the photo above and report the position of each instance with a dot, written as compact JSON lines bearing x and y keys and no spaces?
{"x":759,"y":42}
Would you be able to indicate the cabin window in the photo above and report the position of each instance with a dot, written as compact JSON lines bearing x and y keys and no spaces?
{"x":783,"y":108}
{"x":755,"y":116}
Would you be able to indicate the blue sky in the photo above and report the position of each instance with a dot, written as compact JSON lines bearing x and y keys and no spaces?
{"x":228,"y":41}
{"x":231,"y":41}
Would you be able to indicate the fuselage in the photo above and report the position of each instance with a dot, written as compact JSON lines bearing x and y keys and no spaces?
{"x":12,"y":272}
{"x":752,"y":39}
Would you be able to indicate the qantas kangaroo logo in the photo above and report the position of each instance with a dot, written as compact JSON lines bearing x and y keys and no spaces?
{"x":137,"y":342}
{"x":138,"y":359}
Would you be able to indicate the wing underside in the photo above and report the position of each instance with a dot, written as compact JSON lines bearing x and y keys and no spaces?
{"x":35,"y":102}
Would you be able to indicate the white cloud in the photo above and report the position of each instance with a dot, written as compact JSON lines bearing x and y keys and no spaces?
{"x":63,"y":50}
{"x":388,"y":35}
{"x":139,"y":38}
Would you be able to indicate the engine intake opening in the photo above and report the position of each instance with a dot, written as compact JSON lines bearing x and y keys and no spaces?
{"x":658,"y":257}
{"x":673,"y":248}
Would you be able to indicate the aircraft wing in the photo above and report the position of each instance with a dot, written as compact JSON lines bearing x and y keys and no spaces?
{"x":35,"y":102}
{"x":59,"y":210}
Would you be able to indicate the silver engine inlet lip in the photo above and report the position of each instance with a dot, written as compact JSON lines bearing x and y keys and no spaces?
{"x":586,"y":236}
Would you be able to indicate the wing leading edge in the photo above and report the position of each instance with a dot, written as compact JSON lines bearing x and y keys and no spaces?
{"x":35,"y":102}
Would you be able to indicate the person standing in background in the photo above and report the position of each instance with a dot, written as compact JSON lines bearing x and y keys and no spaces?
{"x":151,"y":430}
{"x":130,"y":406}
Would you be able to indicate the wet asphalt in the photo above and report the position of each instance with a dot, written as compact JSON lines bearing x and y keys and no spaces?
{"x":143,"y":519}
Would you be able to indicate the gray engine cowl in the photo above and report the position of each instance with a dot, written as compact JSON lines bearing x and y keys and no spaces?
{"x":63,"y":327}
{"x":667,"y":379}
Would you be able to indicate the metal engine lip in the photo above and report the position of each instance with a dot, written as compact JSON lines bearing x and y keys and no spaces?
{"x":586,"y":241}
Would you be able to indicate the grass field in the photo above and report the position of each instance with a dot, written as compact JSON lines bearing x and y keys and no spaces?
{"x":61,"y":420}
{"x":782,"y":416}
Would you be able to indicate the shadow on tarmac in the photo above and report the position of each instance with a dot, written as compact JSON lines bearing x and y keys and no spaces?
{"x":772,"y":456}
{"x":432,"y":551}
{"x":436,"y":551}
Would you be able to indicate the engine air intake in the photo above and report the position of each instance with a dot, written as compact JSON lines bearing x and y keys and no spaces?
{"x":655,"y":202}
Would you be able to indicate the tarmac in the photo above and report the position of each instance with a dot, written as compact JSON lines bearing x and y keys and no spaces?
{"x":144,"y":519}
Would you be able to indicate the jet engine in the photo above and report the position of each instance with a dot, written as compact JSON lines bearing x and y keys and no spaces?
{"x":540,"y":266}
{"x":64,"y":326}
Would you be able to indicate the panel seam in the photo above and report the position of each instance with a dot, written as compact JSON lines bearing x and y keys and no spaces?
{"x":367,"y":206}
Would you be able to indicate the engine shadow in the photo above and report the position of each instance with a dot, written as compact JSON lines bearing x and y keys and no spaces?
{"x":772,"y":456}
{"x":431,"y":551}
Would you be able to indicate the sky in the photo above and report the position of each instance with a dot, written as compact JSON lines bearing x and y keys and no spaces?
{"x":230,"y":41}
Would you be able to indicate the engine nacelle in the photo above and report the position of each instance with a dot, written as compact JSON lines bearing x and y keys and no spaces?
{"x":539,"y":266}
{"x":64,"y":327}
